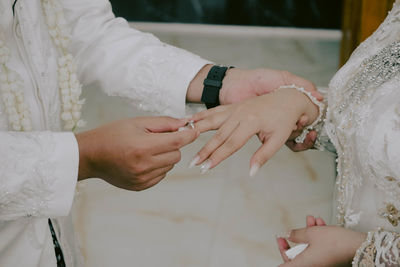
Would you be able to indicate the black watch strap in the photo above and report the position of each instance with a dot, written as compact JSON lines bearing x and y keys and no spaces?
{"x":212,"y":86}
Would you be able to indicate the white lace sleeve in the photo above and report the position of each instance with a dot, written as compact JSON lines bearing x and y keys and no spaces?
{"x":380,"y":249}
{"x":38,"y":174}
{"x":126,"y":62}
{"x":323,"y":142}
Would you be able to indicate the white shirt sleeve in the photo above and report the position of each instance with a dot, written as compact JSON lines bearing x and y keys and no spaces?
{"x":38,"y":174}
{"x":126,"y":62}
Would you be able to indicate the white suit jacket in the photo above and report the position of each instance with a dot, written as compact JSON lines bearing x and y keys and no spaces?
{"x":38,"y":170}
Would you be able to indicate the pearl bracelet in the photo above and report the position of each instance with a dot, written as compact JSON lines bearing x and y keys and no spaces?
{"x":321,"y":106}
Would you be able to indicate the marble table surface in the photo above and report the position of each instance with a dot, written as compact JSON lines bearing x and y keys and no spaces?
{"x":223,"y":218}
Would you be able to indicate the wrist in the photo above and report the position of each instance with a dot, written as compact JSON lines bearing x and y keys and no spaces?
{"x":84,"y":162}
{"x":357,"y":242}
{"x":301,"y":103}
{"x":196,"y":86}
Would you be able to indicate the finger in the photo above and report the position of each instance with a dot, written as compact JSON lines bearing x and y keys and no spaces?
{"x":151,"y":175}
{"x":237,"y":140}
{"x":308,"y":143}
{"x":153,"y":182}
{"x":310,"y":221}
{"x":296,"y":147}
{"x":217,"y":140}
{"x":296,"y":132}
{"x":283,"y":246}
{"x":165,"y":142}
{"x":267,"y":150}
{"x":299,"y":236}
{"x":317,"y":95}
{"x":166,"y":159}
{"x":320,"y":222}
{"x":212,"y":122}
{"x":163,"y":124}
{"x":303,"y":122}
{"x":208,"y":112}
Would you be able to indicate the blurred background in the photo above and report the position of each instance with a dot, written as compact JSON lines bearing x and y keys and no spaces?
{"x":286,"y":13}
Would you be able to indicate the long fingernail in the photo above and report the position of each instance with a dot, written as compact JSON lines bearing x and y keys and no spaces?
{"x":205,"y":167}
{"x":254,"y":169}
{"x":284,"y":235}
{"x":194,"y":162}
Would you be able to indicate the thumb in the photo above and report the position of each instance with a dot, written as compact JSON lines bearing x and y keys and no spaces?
{"x":164,"y":124}
{"x":299,"y":236}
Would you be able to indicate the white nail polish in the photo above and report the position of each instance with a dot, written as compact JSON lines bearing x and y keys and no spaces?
{"x":295,"y":251}
{"x":194,"y":162}
{"x":254,"y":169}
{"x":205,"y":167}
{"x":182,"y":129}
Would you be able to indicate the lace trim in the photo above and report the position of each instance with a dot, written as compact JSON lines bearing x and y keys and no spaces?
{"x":31,"y":197}
{"x":321,"y":114}
{"x":380,"y":249}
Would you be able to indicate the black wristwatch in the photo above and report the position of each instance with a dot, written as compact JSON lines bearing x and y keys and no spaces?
{"x":212,"y":86}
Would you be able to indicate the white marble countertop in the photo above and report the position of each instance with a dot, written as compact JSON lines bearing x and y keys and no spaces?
{"x":223,"y":218}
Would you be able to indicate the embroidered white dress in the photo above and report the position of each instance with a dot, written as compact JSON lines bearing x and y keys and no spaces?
{"x":38,"y":170}
{"x":363,"y":123}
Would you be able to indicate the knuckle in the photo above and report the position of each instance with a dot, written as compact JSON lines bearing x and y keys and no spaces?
{"x":230,"y":144}
{"x":205,"y":151}
{"x":178,"y":157}
{"x":219,"y":137}
{"x":176,"y":143}
{"x":138,"y":180}
{"x":169,"y":168}
{"x":252,"y":119}
{"x":138,"y":168}
{"x":212,"y":120}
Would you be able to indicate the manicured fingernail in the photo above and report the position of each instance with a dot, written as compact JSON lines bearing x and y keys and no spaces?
{"x":284,"y":235}
{"x":254,"y":169}
{"x":205,"y":167}
{"x":194,"y":162}
{"x":296,"y":250}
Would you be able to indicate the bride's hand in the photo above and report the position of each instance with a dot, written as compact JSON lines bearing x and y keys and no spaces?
{"x":272,"y":117}
{"x":328,"y":246}
{"x":283,"y":244}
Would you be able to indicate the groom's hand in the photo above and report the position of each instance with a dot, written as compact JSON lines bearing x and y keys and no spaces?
{"x":240,"y":84}
{"x":133,"y":154}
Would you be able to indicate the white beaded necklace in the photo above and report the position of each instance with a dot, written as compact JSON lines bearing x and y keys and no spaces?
{"x":11,"y":83}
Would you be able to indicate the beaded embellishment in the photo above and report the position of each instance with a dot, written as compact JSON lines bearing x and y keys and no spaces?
{"x":376,"y":70}
{"x":321,"y":106}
